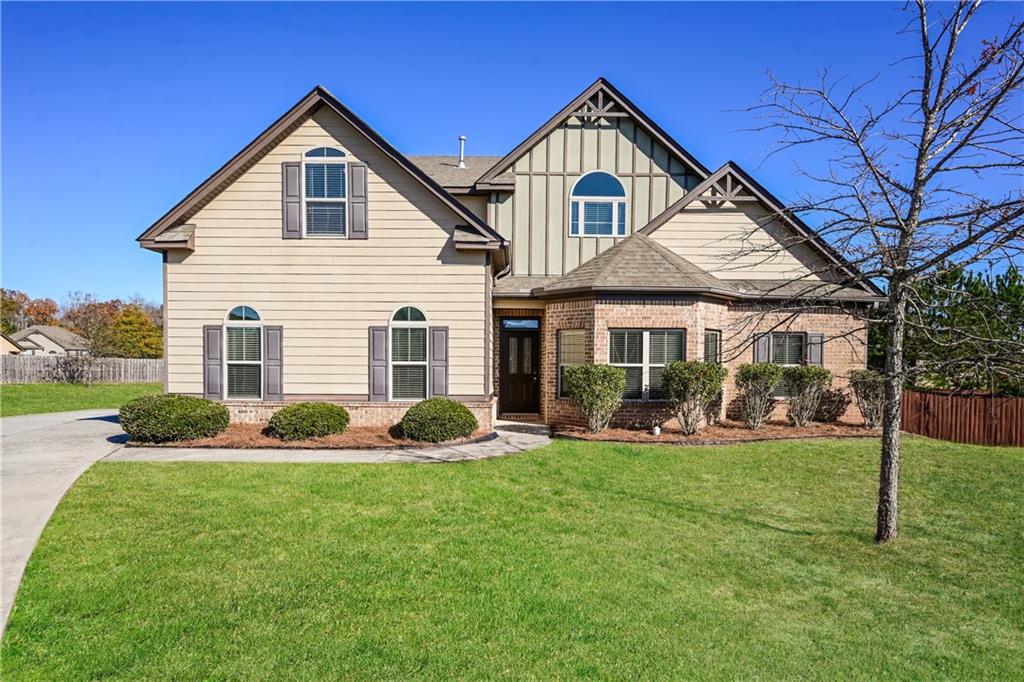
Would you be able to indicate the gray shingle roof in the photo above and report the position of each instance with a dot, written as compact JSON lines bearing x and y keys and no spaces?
{"x":68,"y":340}
{"x":637,"y":263}
{"x":521,"y":285}
{"x":446,"y":172}
{"x":790,"y":289}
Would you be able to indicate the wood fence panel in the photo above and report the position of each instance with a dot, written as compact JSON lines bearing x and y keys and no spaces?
{"x":978,"y":419}
{"x":40,"y":369}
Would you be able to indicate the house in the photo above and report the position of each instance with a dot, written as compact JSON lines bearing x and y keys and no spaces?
{"x":10,"y":346}
{"x":320,"y":263}
{"x":44,"y":339}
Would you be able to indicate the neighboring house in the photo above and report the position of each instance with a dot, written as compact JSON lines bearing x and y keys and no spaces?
{"x":10,"y":346}
{"x":322,"y":264}
{"x":42,"y":339}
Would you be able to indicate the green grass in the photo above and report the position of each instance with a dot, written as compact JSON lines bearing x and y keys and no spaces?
{"x":36,"y":398}
{"x":577,"y":560}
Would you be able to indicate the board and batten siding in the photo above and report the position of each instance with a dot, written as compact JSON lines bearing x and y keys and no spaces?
{"x":326,"y":292}
{"x":535,"y":217}
{"x":738,"y":241}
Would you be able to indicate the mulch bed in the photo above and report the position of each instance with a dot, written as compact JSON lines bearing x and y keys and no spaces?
{"x":355,"y":438}
{"x":727,"y":431}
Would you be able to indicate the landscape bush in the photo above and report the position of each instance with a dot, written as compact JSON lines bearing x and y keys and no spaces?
{"x":597,"y":391}
{"x":755,"y":382}
{"x":436,"y":420}
{"x":869,"y":388}
{"x":806,"y":385}
{"x":692,"y":386}
{"x":833,"y":405}
{"x":308,"y":420}
{"x":168,"y":417}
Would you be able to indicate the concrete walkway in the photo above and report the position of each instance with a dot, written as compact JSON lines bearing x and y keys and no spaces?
{"x":42,"y":455}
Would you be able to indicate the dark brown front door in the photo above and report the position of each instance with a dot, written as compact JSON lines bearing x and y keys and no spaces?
{"x":519,"y":372}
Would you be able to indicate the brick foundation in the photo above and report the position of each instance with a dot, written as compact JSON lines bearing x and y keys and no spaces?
{"x":362,"y":413}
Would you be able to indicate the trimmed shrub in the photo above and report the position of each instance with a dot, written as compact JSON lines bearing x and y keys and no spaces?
{"x":597,"y":391}
{"x":692,"y":386}
{"x":169,"y":417}
{"x":438,"y":419}
{"x":755,"y":382}
{"x":806,"y":384}
{"x":833,"y":405}
{"x":308,"y":420}
{"x":869,"y":388}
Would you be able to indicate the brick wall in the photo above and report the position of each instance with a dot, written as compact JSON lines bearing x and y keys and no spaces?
{"x":361,"y":413}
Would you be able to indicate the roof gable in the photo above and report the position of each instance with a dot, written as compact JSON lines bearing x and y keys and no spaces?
{"x":64,"y":338}
{"x":732,"y":184}
{"x":280,"y":129}
{"x":600,"y":100}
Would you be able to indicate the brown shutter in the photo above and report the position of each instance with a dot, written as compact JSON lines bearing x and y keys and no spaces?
{"x":213,"y":362}
{"x":762,"y":348}
{"x":273,"y":363}
{"x":291,"y":197}
{"x":816,"y":349}
{"x":378,"y":367}
{"x":357,"y":224}
{"x":438,"y":361}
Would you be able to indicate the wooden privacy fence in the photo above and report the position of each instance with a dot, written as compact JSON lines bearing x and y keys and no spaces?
{"x":967,"y":418}
{"x":39,"y":369}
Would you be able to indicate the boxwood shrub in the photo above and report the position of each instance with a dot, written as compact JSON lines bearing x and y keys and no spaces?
{"x":597,"y":390}
{"x":807,"y":385}
{"x":755,"y":382}
{"x":165,"y":418}
{"x":436,"y":420}
{"x":692,"y":386}
{"x":308,"y":420}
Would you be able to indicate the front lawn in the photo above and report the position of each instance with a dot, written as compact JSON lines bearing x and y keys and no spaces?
{"x":35,"y":398}
{"x":577,"y":560}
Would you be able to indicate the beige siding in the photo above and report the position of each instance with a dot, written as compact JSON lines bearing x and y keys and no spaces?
{"x":535,"y":217}
{"x":327,"y":292}
{"x":737,"y":241}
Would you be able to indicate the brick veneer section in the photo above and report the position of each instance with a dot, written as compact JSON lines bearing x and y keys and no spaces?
{"x":844,"y":349}
{"x":361,"y":413}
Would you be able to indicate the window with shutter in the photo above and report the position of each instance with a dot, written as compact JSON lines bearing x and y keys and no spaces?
{"x":243,"y":354}
{"x":408,"y":354}
{"x":324,"y":195}
{"x":572,"y":350}
{"x":644,"y":354}
{"x":787,"y":350}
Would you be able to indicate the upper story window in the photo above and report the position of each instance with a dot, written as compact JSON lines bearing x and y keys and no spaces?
{"x":324,"y":192}
{"x":243,"y":341}
{"x":597,"y":206}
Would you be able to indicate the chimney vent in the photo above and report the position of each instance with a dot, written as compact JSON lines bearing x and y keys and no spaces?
{"x":462,"y":151}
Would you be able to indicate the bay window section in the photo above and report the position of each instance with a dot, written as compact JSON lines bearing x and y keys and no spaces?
{"x":712,"y":345}
{"x":644,"y":354}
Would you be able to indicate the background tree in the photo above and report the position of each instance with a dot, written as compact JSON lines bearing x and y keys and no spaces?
{"x":86,"y":315}
{"x":132,"y":335}
{"x":925,"y":183}
{"x":12,"y":305}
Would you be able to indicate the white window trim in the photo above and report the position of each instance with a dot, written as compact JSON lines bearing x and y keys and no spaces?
{"x":784,"y":395}
{"x":392,"y":325}
{"x":704,"y":349}
{"x":618,"y":227}
{"x":320,"y":160}
{"x":645,"y":363}
{"x":224,"y":351}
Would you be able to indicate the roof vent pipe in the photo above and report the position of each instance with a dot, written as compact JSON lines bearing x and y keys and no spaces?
{"x":462,"y":151}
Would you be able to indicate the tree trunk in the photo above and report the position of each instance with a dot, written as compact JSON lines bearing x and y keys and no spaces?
{"x":889,"y":473}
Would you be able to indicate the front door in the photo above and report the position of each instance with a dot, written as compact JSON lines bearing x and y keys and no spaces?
{"x":519,"y":372}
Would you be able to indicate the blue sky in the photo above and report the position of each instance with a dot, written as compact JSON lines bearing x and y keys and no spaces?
{"x":111,"y":113}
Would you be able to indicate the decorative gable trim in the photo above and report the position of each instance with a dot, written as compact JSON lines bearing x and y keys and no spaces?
{"x":280,"y":129}
{"x":600,"y":100}
{"x":731,"y":183}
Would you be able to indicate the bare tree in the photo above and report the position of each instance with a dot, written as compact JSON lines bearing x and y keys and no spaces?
{"x":926,"y":182}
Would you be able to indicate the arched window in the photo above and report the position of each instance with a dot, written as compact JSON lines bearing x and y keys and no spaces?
{"x":243,"y":353}
{"x":408,"y":354}
{"x":324,"y":192}
{"x":597,"y":206}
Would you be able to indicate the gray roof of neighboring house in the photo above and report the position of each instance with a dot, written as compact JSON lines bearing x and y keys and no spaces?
{"x":66,"y":339}
{"x":637,"y":263}
{"x":445,"y":171}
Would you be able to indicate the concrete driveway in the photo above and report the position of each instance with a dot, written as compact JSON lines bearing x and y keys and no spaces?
{"x":41,"y":455}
